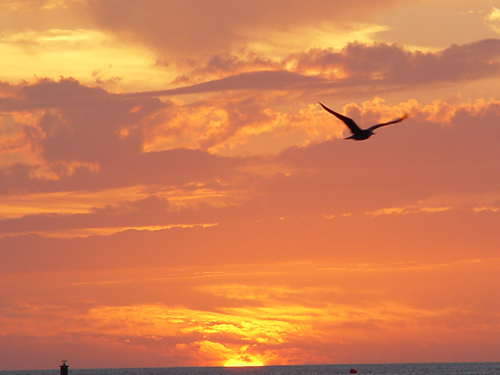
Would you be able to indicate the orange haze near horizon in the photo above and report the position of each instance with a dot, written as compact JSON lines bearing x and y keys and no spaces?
{"x":172,"y":194}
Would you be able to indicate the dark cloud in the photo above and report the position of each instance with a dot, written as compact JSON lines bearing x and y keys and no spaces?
{"x":89,"y":124}
{"x":81,"y":123}
{"x":261,"y":80}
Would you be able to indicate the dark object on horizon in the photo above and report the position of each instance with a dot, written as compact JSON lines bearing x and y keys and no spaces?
{"x":359,"y":134}
{"x":353,"y":371}
{"x":64,"y":368}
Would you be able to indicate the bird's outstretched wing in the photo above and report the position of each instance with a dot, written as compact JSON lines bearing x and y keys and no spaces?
{"x":346,"y":120}
{"x":389,"y":123}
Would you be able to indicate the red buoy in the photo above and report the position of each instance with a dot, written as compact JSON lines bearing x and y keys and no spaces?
{"x":353,"y":371}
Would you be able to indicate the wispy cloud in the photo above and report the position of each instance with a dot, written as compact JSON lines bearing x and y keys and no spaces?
{"x":261,"y":80}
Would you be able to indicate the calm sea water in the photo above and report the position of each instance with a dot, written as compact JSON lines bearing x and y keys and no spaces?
{"x":488,"y":368}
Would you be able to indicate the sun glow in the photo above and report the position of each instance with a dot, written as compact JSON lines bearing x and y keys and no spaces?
{"x":243,"y":362}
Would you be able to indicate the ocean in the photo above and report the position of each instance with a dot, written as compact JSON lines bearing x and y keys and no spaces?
{"x":479,"y":368}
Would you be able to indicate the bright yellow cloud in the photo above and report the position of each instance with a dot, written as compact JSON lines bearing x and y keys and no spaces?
{"x":276,"y":44}
{"x":493,"y":19}
{"x":87,"y":55}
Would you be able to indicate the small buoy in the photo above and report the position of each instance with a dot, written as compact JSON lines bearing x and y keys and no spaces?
{"x":353,"y":371}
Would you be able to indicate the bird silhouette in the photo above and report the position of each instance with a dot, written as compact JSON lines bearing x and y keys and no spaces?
{"x":359,"y":134}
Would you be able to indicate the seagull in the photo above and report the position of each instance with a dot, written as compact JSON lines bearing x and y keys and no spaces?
{"x":359,"y":134}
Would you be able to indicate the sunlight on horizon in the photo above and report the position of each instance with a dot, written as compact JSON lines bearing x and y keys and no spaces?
{"x":245,"y":363}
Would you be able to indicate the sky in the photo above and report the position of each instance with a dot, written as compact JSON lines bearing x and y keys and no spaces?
{"x":172,"y":194}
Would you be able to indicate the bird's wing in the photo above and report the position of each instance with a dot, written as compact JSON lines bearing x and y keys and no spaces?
{"x":388,"y":123}
{"x":346,"y":120}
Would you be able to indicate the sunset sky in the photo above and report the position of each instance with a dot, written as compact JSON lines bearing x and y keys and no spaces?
{"x":172,"y":194}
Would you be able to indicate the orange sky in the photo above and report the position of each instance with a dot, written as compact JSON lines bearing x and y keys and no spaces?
{"x":173,"y":195}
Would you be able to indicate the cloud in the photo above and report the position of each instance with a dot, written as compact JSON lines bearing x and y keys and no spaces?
{"x":221,"y":65}
{"x":413,"y":237}
{"x":81,"y":146}
{"x":277,"y":317}
{"x":377,"y":67}
{"x":493,"y":19}
{"x":201,"y":27}
{"x":53,"y":40}
{"x":178,"y":167}
{"x":394,"y":65}
{"x":87,"y":138}
{"x":261,"y":80}
{"x":360,"y":174}
{"x":148,"y":211}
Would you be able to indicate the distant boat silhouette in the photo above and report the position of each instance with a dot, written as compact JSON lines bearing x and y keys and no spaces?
{"x":359,"y":134}
{"x":64,"y":368}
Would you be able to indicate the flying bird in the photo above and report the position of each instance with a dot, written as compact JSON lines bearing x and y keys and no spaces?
{"x":359,"y":134}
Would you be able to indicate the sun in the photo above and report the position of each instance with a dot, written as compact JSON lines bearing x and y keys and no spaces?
{"x":242,"y":362}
